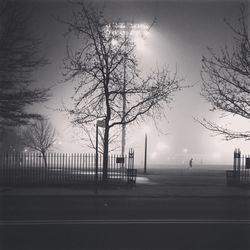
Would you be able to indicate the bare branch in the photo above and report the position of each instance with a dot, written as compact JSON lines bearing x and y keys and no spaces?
{"x":226,"y":80}
{"x":106,"y":69}
{"x":226,"y":133}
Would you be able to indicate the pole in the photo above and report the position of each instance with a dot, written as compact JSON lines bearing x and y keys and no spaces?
{"x":145,"y":155}
{"x":124,"y":107}
{"x":96,"y":158}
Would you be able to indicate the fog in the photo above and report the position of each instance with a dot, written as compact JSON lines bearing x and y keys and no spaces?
{"x":178,"y":39}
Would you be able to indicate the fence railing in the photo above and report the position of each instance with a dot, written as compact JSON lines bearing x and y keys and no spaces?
{"x":29,"y":168}
{"x":240,"y":175}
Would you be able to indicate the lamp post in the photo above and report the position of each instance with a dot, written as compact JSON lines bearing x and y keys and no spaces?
{"x":127,"y":28}
{"x":145,"y":153}
{"x":146,"y":130}
{"x":124,"y":105}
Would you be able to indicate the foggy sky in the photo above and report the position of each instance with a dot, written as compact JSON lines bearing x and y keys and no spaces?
{"x":181,"y":35}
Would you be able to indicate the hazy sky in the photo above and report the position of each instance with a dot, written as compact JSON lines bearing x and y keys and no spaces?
{"x":181,"y":35}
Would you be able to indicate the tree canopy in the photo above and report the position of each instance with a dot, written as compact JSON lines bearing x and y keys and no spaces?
{"x":19,"y":58}
{"x":226,"y":80}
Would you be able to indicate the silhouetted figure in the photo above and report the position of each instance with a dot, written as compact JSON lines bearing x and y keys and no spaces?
{"x":191,"y":162}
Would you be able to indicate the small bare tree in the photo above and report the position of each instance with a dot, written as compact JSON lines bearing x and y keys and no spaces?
{"x":226,"y":81}
{"x":98,"y":66}
{"x":39,"y":136}
{"x":19,"y":57}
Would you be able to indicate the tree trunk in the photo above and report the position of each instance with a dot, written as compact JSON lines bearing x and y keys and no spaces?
{"x":44,"y":159}
{"x":106,"y":133}
{"x":105,"y":155}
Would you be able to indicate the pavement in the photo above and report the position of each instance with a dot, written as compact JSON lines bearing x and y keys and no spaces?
{"x":167,"y":209}
{"x":163,"y":183}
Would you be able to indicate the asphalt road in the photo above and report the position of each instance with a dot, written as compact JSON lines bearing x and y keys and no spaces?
{"x":75,"y":222}
{"x":77,"y":207}
{"x":126,"y":236}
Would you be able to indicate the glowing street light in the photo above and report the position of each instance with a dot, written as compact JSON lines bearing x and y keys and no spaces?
{"x":129,"y":26}
{"x":185,"y":150}
{"x":135,"y":29}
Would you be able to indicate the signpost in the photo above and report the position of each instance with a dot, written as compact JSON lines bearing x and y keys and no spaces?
{"x":120,"y":160}
{"x":101,"y":123}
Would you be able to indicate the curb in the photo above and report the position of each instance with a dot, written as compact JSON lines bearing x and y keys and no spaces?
{"x":135,"y":196}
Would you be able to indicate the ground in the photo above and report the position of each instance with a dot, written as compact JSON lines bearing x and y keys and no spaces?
{"x":167,"y":209}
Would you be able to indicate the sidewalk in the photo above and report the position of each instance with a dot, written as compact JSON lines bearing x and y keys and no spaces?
{"x":156,"y":185}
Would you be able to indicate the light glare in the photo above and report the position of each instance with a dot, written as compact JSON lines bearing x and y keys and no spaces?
{"x":132,"y":26}
{"x":114,"y":42}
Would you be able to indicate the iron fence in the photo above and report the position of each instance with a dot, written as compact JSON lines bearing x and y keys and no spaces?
{"x":29,"y":168}
{"x":240,"y":175}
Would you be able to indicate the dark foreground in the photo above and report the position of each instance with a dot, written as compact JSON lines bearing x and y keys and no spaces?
{"x":170,"y":209}
{"x":127,"y":236}
{"x":52,"y":222}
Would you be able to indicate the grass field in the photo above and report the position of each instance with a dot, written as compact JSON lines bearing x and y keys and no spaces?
{"x":185,"y":176}
{"x":187,"y":181}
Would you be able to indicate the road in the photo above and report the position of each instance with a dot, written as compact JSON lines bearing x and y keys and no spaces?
{"x":75,"y":222}
{"x":77,"y":207}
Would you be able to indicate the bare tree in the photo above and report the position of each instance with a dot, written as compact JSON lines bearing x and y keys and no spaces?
{"x":97,"y":65}
{"x":39,"y":136}
{"x":226,"y":80}
{"x":19,"y":58}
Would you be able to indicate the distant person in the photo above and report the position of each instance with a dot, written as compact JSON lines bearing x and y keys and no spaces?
{"x":191,"y":163}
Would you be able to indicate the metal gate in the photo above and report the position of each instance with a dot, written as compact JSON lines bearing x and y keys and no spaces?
{"x":240,"y":175}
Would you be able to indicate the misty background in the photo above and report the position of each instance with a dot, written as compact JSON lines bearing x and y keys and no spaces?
{"x":180,"y":36}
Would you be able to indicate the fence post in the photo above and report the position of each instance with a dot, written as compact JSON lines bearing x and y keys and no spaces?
{"x":239,"y":160}
{"x":131,"y":172}
{"x":235,"y":157}
{"x":237,"y":165}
